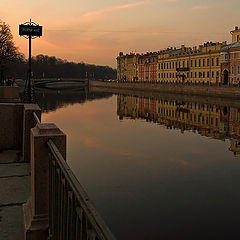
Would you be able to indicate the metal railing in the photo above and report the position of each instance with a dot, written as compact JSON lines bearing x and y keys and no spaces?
{"x":71,"y":214}
{"x":36,"y":118}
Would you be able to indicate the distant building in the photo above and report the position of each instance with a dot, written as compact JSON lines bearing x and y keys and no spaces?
{"x":127,"y":67}
{"x":185,"y":64}
{"x":208,"y":63}
{"x":147,"y":67}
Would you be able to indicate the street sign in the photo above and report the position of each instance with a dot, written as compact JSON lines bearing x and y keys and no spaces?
{"x":184,"y":69}
{"x":30,"y":30}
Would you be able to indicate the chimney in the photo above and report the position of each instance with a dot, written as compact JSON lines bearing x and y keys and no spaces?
{"x":236,"y":28}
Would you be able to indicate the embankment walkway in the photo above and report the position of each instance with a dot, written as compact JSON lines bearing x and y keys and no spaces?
{"x":15,"y":190}
{"x":223,"y":91}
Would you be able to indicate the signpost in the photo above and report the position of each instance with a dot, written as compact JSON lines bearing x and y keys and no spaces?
{"x":30,"y":30}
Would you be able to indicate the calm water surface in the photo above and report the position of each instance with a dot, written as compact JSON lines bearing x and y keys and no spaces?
{"x":155,"y":169}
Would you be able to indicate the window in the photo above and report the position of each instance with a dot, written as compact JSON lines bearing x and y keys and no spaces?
{"x":183,"y":63}
{"x":208,"y":74}
{"x":173,"y":64}
{"x":203,"y":63}
{"x":238,"y":71}
{"x":217,"y":73}
{"x":195,"y":74}
{"x":200,"y":74}
{"x":208,"y":62}
{"x":187,"y":63}
{"x":203,"y":74}
{"x":191,"y":75}
{"x":212,"y":74}
{"x":191,"y":63}
{"x":195,"y":62}
{"x":232,"y":69}
{"x":199,"y":62}
{"x":217,"y":61}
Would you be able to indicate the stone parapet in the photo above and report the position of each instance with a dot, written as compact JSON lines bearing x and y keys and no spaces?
{"x":9,"y":94}
{"x":28,"y":123}
{"x":36,"y":210}
{"x":11,"y":131}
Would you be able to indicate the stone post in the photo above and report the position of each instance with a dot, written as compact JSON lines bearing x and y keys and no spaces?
{"x":37,"y":208}
{"x":28,"y":123}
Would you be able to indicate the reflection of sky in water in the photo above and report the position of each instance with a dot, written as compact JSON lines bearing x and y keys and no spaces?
{"x":149,"y":182}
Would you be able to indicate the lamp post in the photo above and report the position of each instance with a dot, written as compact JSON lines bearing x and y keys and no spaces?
{"x":30,"y":30}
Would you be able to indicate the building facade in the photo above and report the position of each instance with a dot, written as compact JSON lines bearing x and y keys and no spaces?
{"x":207,"y":63}
{"x":147,"y":67}
{"x":127,"y":67}
{"x":200,"y":64}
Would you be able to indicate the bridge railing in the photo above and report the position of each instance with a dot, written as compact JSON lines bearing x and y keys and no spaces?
{"x":58,"y":207}
{"x":71,"y":214}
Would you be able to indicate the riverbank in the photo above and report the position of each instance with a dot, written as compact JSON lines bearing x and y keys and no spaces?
{"x":198,"y":90}
{"x":224,"y":102}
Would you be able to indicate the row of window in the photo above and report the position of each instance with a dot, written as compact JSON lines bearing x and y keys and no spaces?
{"x":192,"y":117}
{"x":192,"y":63}
{"x":148,"y":60}
{"x":148,"y":68}
{"x":237,"y":69}
{"x":190,"y":75}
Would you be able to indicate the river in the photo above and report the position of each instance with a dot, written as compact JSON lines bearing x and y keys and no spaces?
{"x":157,"y":167}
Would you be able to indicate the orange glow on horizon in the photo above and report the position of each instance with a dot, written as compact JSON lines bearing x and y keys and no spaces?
{"x":95,"y":32}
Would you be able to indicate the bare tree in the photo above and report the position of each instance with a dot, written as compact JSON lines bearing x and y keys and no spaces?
{"x":8,"y":51}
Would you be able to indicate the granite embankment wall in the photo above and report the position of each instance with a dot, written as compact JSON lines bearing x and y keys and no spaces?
{"x":202,"y":90}
{"x":201,"y":99}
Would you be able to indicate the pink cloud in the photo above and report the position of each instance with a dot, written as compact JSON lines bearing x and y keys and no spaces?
{"x":91,"y":16}
{"x":198,"y":8}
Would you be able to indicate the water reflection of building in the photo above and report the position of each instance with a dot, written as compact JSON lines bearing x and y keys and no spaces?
{"x":208,"y":120}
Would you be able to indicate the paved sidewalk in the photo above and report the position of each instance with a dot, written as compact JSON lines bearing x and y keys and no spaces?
{"x":14,"y":191}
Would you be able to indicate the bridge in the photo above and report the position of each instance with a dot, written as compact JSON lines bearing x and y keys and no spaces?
{"x":40,"y":197}
{"x":58,"y":83}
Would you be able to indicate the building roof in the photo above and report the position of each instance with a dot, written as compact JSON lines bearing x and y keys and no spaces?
{"x":227,"y":47}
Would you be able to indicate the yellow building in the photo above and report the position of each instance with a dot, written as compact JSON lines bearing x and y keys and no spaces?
{"x":127,"y":67}
{"x":207,"y":63}
{"x":186,"y":64}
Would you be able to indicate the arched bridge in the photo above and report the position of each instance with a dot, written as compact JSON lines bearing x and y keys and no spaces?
{"x":60,"y":83}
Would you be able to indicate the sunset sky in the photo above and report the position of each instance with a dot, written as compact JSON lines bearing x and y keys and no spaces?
{"x":95,"y":31}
